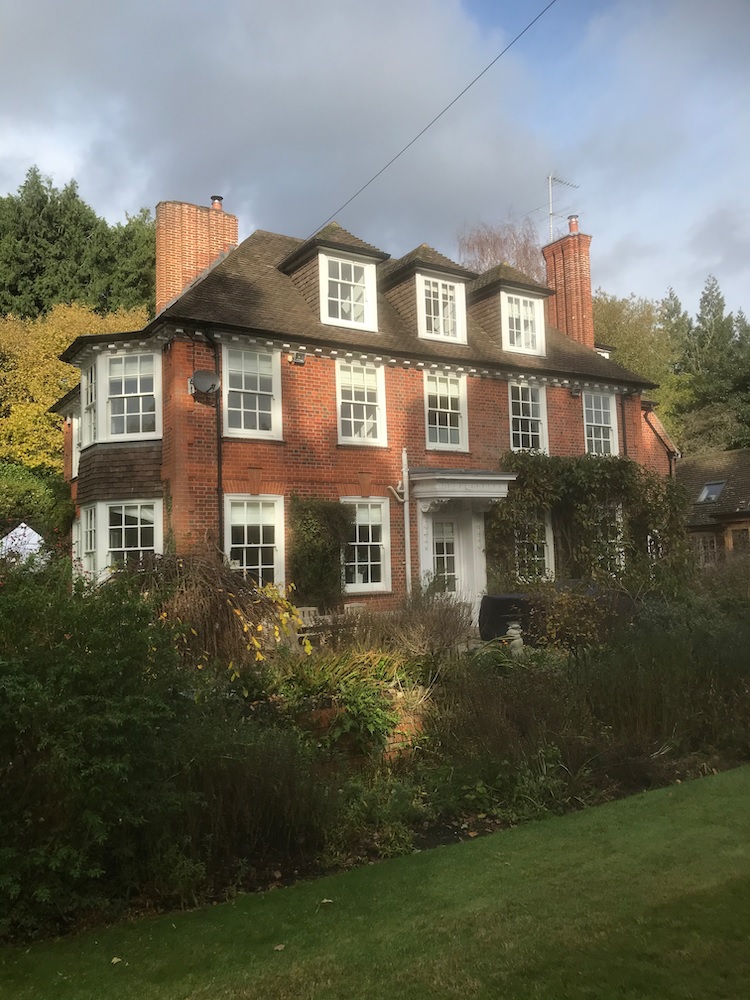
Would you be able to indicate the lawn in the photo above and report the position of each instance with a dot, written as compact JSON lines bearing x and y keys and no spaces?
{"x":644,"y":898}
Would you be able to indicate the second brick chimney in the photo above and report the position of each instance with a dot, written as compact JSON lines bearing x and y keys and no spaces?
{"x":188,"y":239}
{"x":570,"y":309}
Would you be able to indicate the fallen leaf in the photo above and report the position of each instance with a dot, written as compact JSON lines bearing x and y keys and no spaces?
{"x":277,"y":874}
{"x":115,"y":960}
{"x":279,"y":947}
{"x":472,"y":833}
{"x":325,"y":901}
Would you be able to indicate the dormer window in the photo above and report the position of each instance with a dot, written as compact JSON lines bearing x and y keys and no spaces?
{"x":348,"y":295}
{"x":441,"y":309}
{"x":523,"y":323}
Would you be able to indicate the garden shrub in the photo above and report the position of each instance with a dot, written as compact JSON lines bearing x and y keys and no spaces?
{"x":125,"y":774}
{"x":91,"y":710}
{"x":425,"y":629}
{"x":355,"y":686}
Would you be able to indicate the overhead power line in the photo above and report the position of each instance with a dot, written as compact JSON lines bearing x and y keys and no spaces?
{"x":436,"y":118}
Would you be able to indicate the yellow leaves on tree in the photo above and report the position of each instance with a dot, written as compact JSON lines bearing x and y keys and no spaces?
{"x":32,"y":377}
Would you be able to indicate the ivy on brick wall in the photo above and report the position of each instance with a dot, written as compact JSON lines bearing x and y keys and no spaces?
{"x":610,"y":519}
{"x":319,"y":531}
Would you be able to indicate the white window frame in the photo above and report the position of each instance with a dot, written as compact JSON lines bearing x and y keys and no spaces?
{"x":380,"y":439}
{"x":459,"y":303}
{"x":459,"y":381}
{"x":613,"y":436}
{"x":549,"y":551}
{"x":526,"y":301}
{"x":277,"y":504}
{"x":275,"y":432}
{"x":95,"y":399}
{"x":89,"y":421}
{"x":383,"y":586}
{"x":542,"y":418}
{"x":369,"y":319}
{"x":76,"y":443}
{"x":93,"y":528}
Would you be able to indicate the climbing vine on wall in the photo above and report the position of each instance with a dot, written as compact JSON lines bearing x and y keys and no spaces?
{"x":610,"y":518}
{"x":319,"y":530}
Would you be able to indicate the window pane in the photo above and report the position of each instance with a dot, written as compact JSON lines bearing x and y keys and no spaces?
{"x":250,"y":399}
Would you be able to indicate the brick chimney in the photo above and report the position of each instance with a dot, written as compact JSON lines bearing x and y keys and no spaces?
{"x":188,"y":239}
{"x":570,"y":309}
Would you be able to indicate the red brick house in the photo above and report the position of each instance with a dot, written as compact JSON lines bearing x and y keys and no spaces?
{"x":327,"y":369}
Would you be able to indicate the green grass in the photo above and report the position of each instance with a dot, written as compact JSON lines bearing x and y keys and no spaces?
{"x":644,"y":898}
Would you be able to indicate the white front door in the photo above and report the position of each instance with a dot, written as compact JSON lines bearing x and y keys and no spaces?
{"x":452,"y":550}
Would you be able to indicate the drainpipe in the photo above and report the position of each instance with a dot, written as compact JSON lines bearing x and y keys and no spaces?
{"x":403,"y":499}
{"x":219,"y":455}
{"x":407,"y":521}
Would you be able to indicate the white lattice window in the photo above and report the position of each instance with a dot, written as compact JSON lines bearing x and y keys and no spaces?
{"x":528,"y":417}
{"x":534,"y":549}
{"x":252,"y":393}
{"x":522,"y":323}
{"x":441,"y":309}
{"x":109,"y":535}
{"x":121,"y":398}
{"x":132,"y":532}
{"x":367,"y":565}
{"x":131,"y":394}
{"x":255,"y":537}
{"x":88,"y":394}
{"x":348,"y":294}
{"x":600,"y":422}
{"x":361,"y":403}
{"x":444,"y":555}
{"x":445,"y":411}
{"x":88,"y":540}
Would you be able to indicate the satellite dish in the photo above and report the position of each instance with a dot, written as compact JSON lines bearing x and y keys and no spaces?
{"x":205,"y":381}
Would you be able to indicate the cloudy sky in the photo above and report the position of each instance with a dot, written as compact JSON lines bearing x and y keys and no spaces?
{"x":286,"y":107}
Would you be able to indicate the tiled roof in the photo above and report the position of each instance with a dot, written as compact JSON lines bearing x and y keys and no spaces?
{"x":506,"y":275}
{"x":729,"y":467}
{"x":333,"y":236}
{"x":248,"y":292}
{"x":424,"y":256}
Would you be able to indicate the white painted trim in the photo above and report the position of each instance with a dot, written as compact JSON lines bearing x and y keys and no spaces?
{"x":277,"y":427}
{"x":371,"y":292}
{"x":103,"y":565}
{"x":279,"y":563}
{"x":614,"y":415}
{"x":381,"y":441}
{"x":384,"y":587}
{"x":100,"y":366}
{"x":542,"y":415}
{"x":463,"y":423}
{"x":459,"y":290}
{"x":538,"y":303}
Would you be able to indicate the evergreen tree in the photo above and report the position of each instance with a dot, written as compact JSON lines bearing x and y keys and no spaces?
{"x":55,"y":249}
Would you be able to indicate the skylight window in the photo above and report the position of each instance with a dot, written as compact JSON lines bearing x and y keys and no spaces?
{"x":710,"y":492}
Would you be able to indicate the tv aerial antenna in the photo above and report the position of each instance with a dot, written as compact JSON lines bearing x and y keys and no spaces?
{"x":551,"y":181}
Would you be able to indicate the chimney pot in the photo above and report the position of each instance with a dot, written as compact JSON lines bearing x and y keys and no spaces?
{"x":573,"y":223}
{"x":216,"y":200}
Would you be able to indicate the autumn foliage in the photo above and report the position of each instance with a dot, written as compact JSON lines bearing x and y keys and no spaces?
{"x":32,"y":377}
